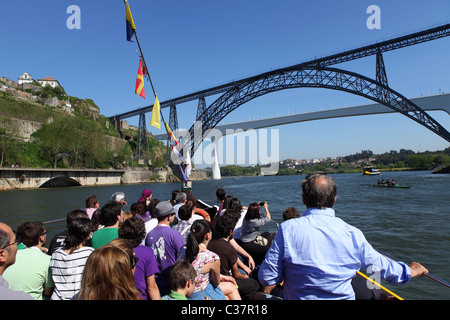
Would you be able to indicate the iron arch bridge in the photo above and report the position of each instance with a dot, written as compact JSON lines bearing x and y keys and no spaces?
{"x":315,"y":73}
{"x":307,"y":77}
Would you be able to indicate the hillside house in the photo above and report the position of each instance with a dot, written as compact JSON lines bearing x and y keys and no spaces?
{"x":25,"y":78}
{"x":50,"y":81}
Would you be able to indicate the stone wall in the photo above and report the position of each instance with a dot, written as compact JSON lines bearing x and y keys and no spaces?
{"x":22,"y":129}
{"x":35,"y":178}
{"x":21,"y":178}
{"x":145,"y":175}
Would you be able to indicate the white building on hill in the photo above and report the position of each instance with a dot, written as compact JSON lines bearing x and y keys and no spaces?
{"x":50,"y":81}
{"x":25,"y":78}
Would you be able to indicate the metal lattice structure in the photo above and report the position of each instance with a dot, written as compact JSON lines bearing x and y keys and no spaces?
{"x":312,"y":73}
{"x":143,"y":150}
{"x":173,"y":124}
{"x":311,"y":77}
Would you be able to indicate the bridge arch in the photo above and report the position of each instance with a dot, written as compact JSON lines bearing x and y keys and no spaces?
{"x":61,"y":181}
{"x":307,"y":77}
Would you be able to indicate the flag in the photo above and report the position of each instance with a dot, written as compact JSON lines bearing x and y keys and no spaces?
{"x":171,"y":133}
{"x":176,"y":156}
{"x":131,"y":28}
{"x":140,"y":90}
{"x":188,"y":164}
{"x":156,"y":118}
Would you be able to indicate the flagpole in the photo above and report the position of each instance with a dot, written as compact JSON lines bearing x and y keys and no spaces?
{"x":153,"y":88}
{"x":146,"y":69}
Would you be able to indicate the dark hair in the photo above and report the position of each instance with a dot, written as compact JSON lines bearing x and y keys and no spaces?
{"x":74,"y":215}
{"x":190,"y":197}
{"x":190,"y":205}
{"x":91,"y":202}
{"x":224,"y":225}
{"x":109,"y":213}
{"x":96,"y":219}
{"x":253,"y":211}
{"x":174,"y":194}
{"x":198,"y":231}
{"x":226,"y":202}
{"x":78,"y":232}
{"x":235,"y":214}
{"x":152,"y":206}
{"x":220,"y":194}
{"x":235,"y":204}
{"x":180,"y":273}
{"x":184,"y":212}
{"x":133,"y":229}
{"x":290,"y":213}
{"x":138,"y":208}
{"x":29,"y":233}
{"x":319,"y":195}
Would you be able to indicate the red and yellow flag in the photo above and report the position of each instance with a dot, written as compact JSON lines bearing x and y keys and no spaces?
{"x":171,"y":134}
{"x":140,"y":90}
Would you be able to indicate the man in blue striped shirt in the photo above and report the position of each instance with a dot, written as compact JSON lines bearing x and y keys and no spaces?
{"x":318,"y":254}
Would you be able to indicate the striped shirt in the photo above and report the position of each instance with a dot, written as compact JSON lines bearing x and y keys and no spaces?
{"x":67,"y":270}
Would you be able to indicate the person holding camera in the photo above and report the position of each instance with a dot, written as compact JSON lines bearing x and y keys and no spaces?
{"x":251,"y":240}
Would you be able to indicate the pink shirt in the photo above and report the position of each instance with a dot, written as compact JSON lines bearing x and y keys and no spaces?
{"x":202,"y":279}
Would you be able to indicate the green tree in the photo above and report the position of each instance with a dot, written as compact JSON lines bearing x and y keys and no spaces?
{"x":53,"y":139}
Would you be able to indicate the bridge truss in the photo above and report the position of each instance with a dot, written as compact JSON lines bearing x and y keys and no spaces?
{"x":314,"y":73}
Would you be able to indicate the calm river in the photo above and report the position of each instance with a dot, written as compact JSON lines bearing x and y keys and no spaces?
{"x":409,"y":224}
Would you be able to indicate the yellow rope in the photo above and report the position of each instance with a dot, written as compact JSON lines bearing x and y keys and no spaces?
{"x":380,"y":286}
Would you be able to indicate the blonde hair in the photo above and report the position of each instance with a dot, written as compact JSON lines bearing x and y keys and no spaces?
{"x":108,"y":273}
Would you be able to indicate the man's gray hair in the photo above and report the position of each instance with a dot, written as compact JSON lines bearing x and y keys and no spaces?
{"x":319,"y":195}
{"x":118,"y":196}
{"x":4,"y":240}
{"x":180,"y":197}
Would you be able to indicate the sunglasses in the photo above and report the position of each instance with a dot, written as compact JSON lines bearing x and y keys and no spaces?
{"x":11,"y":244}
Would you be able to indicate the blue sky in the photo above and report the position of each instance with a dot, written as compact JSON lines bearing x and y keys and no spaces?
{"x":192,"y":45}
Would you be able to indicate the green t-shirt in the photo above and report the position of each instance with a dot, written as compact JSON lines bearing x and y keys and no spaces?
{"x":30,"y":272}
{"x":173,"y":295}
{"x":103,"y":236}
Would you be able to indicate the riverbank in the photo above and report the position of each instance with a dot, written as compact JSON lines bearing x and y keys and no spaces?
{"x":35,"y":178}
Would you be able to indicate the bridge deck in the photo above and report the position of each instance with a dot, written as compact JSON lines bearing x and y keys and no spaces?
{"x":428,"y":103}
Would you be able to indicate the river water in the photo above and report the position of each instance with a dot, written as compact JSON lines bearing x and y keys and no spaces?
{"x":408,"y":224}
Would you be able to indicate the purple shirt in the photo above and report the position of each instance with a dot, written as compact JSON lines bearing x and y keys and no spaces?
{"x":166,"y":244}
{"x":145,"y":267}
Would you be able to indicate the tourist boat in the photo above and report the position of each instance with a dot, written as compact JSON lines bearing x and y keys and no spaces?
{"x":370,"y":171}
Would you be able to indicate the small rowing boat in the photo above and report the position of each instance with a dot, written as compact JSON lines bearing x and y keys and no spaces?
{"x":389,"y":186}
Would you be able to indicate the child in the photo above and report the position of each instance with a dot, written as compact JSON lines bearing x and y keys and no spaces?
{"x":290,"y":213}
{"x":209,"y":283}
{"x":181,"y":281}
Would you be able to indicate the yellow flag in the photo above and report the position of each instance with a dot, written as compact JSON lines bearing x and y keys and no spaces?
{"x":156,"y":118}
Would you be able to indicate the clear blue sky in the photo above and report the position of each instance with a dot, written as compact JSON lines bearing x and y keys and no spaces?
{"x":192,"y":45}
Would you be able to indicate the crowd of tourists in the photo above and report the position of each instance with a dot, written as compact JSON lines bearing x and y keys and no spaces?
{"x":176,"y":249}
